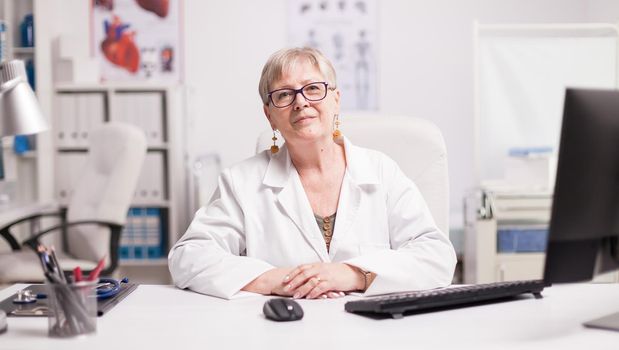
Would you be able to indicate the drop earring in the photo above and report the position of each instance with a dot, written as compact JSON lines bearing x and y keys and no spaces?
{"x":275,"y":147}
{"x":337,"y":134}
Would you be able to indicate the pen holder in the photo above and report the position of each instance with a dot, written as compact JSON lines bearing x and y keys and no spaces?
{"x":73,"y":309}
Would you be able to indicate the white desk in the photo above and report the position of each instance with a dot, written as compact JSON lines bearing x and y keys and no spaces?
{"x":162,"y":317}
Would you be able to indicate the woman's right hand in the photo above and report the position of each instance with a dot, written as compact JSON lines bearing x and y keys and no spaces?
{"x":270,"y":283}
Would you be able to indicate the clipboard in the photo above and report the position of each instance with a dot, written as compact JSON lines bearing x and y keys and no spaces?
{"x":40,"y":307}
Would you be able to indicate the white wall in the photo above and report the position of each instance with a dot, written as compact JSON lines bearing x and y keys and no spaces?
{"x":425,"y":58}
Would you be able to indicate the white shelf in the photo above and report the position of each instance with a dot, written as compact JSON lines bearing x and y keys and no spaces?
{"x":158,"y":148}
{"x":27,"y":155}
{"x":29,"y":169}
{"x":157,"y":204}
{"x":23,"y":50}
{"x":72,"y":149}
{"x":163,"y":147}
{"x":143,"y":262}
{"x":104,"y":86}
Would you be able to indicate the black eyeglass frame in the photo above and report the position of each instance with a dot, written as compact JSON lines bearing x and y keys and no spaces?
{"x":300,"y":91}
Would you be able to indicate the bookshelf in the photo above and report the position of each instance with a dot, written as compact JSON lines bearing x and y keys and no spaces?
{"x":22,"y":164}
{"x":153,"y":220}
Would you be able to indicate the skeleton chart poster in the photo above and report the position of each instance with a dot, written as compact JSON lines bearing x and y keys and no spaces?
{"x":346,"y":32}
{"x":137,"y":40}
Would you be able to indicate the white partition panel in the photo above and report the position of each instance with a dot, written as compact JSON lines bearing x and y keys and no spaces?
{"x":521,"y":75}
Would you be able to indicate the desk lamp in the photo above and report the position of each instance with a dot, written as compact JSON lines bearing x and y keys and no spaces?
{"x":20,"y":113}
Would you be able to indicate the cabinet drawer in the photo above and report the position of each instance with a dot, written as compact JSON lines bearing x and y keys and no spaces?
{"x":512,"y":267}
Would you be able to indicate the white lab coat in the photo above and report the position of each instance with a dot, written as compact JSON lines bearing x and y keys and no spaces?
{"x":260,"y":218}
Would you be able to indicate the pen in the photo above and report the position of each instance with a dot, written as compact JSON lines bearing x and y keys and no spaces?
{"x":77,"y":274}
{"x":43,"y":257}
{"x":94,"y":274}
{"x":57,"y":265}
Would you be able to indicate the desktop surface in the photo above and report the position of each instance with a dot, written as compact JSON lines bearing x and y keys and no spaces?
{"x":163,"y":317}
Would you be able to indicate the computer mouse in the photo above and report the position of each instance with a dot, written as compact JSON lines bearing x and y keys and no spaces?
{"x":282,"y":309}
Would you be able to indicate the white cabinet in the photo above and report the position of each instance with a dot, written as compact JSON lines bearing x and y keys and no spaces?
{"x":505,"y":236}
{"x":489,"y":257}
{"x":152,"y":222}
{"x":483,"y":263}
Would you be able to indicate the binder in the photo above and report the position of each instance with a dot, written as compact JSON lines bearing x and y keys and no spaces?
{"x":95,"y":114}
{"x":522,"y":239}
{"x":142,"y":237}
{"x":151,"y":186}
{"x":69,"y":167}
{"x":123,"y":109}
{"x":153,"y":117}
{"x":154,"y":233}
{"x":144,"y":110}
{"x":66,"y":120}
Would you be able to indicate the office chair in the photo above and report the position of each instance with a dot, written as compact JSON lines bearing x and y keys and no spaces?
{"x":92,"y":222}
{"x":415,"y":144}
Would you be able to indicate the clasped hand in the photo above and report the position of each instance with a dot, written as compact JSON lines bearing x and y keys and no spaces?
{"x":319,"y":280}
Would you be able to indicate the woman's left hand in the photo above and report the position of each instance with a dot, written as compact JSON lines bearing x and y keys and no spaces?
{"x":314,"y":280}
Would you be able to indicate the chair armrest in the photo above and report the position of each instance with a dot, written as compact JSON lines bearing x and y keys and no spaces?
{"x":115,"y":231}
{"x":5,"y":231}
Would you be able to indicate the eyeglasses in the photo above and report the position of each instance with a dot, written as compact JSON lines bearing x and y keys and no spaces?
{"x":316,"y":91}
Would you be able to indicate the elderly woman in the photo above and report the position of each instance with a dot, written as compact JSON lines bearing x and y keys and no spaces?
{"x":316,"y":217}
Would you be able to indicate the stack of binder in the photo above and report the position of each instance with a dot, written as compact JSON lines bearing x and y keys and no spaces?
{"x":143,"y":234}
{"x":69,"y":166}
{"x":144,"y":110}
{"x":77,"y":114}
{"x":522,"y":239}
{"x":151,"y":189}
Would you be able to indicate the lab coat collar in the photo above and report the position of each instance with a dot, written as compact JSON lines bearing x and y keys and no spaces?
{"x":358,"y":167}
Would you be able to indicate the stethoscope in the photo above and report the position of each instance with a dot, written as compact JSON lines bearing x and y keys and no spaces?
{"x":106,"y":288}
{"x":26,"y":296}
{"x":109,"y":287}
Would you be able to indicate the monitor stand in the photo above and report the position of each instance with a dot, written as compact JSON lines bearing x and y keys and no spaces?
{"x":610,"y":322}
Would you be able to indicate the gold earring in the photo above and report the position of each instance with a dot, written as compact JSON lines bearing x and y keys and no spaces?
{"x":275,"y":147}
{"x":337,"y":134}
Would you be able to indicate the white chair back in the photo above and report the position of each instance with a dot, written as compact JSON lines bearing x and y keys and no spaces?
{"x":417,"y":146}
{"x":105,"y":189}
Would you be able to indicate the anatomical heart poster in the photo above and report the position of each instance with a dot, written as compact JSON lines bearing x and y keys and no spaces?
{"x":137,"y":40}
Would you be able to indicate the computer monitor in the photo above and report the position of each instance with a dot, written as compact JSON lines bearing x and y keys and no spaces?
{"x":584,"y":226}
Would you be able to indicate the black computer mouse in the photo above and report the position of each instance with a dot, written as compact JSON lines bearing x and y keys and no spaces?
{"x":282,"y":309}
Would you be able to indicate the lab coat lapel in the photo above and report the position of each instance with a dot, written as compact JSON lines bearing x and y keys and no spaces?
{"x":347,"y":209}
{"x":359,"y":173}
{"x":293,"y":200}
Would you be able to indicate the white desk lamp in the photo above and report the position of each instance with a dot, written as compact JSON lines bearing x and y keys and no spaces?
{"x":20,"y":113}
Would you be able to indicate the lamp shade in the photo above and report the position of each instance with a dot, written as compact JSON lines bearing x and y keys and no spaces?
{"x":20,"y":113}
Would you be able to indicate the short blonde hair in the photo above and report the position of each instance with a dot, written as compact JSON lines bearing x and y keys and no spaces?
{"x":286,"y":60}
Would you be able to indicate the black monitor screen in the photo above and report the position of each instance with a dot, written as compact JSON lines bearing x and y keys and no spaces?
{"x":584,"y":225}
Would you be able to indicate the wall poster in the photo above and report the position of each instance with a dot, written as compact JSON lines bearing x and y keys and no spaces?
{"x":346,"y":32}
{"x":137,"y":40}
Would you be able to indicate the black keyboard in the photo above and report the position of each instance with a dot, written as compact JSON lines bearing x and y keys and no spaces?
{"x":437,"y":299}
